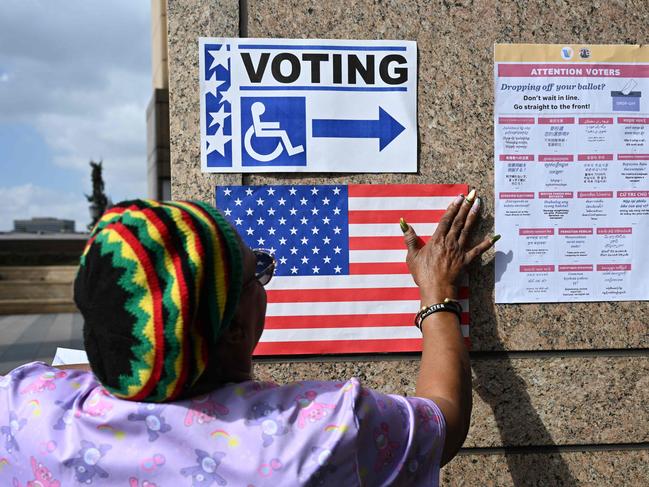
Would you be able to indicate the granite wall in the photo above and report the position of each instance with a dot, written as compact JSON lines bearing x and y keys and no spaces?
{"x":560,"y":391}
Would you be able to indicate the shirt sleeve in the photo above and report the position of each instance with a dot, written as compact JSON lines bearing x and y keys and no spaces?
{"x":400,"y":439}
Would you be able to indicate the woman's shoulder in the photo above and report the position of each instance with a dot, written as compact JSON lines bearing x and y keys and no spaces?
{"x":285,"y":407}
{"x":286,"y":395}
{"x":294,"y":392}
{"x":39,"y":377}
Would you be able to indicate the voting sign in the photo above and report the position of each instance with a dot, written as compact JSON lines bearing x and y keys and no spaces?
{"x":289,"y":105}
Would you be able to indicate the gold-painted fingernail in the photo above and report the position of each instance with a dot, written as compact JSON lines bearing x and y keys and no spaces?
{"x":476,"y":205}
{"x":470,"y":197}
{"x":403,"y":225}
{"x":495,"y":238}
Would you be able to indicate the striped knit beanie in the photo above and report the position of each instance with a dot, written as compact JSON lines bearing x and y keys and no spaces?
{"x":157,"y":285}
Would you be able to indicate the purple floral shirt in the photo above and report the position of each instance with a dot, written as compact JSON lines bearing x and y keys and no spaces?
{"x":60,"y":428}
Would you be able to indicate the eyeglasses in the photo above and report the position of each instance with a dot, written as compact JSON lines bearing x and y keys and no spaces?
{"x":265,"y":266}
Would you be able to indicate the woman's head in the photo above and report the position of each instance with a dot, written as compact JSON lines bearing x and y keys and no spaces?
{"x":162,"y":287}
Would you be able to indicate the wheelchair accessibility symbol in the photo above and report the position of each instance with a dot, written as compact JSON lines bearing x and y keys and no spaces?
{"x":274,"y":131}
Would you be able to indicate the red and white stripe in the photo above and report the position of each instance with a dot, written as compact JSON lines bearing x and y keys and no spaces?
{"x":373,"y":308}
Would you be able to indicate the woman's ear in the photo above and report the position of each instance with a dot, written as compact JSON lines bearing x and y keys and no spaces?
{"x":235,"y":334}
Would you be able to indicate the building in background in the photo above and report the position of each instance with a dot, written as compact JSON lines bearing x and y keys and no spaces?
{"x":44,"y":225}
{"x":157,"y":113}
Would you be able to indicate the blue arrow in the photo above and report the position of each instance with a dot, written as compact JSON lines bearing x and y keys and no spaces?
{"x":386,"y":128}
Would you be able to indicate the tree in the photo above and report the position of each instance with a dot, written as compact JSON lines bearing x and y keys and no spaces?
{"x":98,"y":199}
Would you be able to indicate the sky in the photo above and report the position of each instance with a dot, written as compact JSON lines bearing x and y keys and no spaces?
{"x":75,"y":81}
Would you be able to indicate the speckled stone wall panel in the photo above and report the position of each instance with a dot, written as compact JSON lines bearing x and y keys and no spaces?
{"x":455,"y":102}
{"x":519,"y":402}
{"x":593,"y":468}
{"x":188,"y":20}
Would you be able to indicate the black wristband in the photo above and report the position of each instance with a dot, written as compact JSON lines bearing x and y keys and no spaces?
{"x":448,"y":306}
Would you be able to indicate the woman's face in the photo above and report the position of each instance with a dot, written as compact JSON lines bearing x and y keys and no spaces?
{"x":251,"y":312}
{"x":233,"y":353}
{"x":237,"y":344}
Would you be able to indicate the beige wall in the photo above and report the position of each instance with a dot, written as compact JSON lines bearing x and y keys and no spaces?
{"x":159,"y":44}
{"x":560,"y":391}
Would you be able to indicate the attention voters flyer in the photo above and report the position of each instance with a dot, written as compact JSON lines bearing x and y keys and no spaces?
{"x":571,"y":139}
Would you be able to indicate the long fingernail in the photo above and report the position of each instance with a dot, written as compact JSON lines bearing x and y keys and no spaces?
{"x":403,"y":225}
{"x":476,"y":205}
{"x":495,"y":238}
{"x":459,"y":199}
{"x":470,"y":196}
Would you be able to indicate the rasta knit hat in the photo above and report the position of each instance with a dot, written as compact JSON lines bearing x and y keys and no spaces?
{"x":157,"y":285}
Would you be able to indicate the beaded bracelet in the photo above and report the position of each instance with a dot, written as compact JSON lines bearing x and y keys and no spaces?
{"x":448,"y":305}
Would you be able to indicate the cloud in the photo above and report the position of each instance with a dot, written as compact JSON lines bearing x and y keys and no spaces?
{"x":77,"y":32}
{"x":28,"y":200}
{"x":61,"y":55}
{"x":116,"y":135}
{"x":79,"y":72}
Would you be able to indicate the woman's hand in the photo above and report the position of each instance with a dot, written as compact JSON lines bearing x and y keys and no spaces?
{"x":445,"y":371}
{"x":436,"y":265}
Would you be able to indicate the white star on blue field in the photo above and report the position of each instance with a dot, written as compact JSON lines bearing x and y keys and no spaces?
{"x":304,"y":227}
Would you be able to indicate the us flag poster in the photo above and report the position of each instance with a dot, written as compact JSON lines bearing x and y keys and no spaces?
{"x":341,"y":284}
